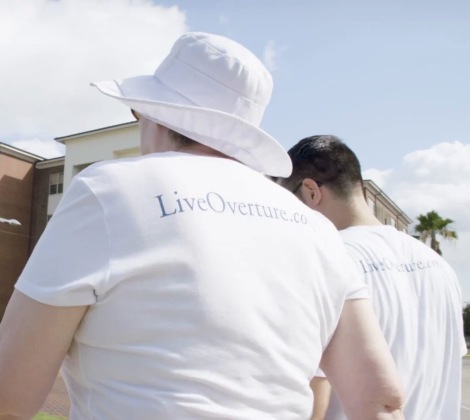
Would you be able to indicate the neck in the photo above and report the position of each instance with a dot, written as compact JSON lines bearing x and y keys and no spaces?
{"x":201,"y":149}
{"x":352,"y":211}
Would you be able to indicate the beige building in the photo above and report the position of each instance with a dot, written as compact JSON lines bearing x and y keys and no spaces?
{"x":384,"y":208}
{"x":83,"y":149}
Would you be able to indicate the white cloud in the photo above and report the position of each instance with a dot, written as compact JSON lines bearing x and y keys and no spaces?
{"x":450,"y":160}
{"x":380,"y":177}
{"x":270,"y":56}
{"x":457,"y":254}
{"x":45,"y":148}
{"x":437,"y":179}
{"x":52,"y":50}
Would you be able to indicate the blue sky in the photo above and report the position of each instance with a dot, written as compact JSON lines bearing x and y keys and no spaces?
{"x":389,"y":77}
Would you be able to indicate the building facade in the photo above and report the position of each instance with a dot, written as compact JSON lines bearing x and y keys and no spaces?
{"x":83,"y":149}
{"x":16,"y":202}
{"x":384,"y":208}
{"x":47,"y":192}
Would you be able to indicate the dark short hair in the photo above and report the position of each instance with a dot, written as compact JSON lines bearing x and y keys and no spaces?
{"x":326,"y":160}
{"x":177,"y":138}
{"x":180,"y":140}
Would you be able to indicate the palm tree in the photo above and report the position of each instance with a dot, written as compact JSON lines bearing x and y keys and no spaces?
{"x":432,"y":224}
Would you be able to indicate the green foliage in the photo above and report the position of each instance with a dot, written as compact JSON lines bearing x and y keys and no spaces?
{"x":431,"y":225}
{"x":44,"y":416}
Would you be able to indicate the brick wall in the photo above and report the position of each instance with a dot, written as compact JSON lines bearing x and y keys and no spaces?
{"x":16,"y":194}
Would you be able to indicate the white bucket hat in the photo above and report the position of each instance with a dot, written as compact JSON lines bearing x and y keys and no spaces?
{"x":212,"y":90}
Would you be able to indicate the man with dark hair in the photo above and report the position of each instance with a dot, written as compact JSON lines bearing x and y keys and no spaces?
{"x":415,"y":293}
{"x":342,"y":176}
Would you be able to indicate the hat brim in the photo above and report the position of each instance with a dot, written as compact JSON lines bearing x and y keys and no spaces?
{"x":221,"y":131}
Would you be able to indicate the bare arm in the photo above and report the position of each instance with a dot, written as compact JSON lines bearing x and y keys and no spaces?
{"x":360,"y":367}
{"x":321,"y":393}
{"x":34,"y":339}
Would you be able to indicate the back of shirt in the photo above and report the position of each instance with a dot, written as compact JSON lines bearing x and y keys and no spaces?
{"x":212,"y":290}
{"x":416,"y":296}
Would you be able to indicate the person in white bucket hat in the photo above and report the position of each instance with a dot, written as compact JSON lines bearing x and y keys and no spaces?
{"x":184,"y":284}
{"x":213,"y":91}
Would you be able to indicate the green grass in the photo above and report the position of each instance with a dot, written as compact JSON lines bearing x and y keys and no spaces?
{"x":44,"y":416}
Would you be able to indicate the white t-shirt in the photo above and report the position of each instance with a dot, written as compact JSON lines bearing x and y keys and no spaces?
{"x":212,"y":290}
{"x":416,"y":296}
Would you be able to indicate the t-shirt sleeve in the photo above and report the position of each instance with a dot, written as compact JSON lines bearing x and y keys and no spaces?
{"x":71,"y":259}
{"x":358,"y":288}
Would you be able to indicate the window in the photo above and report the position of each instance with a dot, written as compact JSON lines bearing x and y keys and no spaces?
{"x":56,"y":183}
{"x":379,"y":213}
{"x":371,"y":204}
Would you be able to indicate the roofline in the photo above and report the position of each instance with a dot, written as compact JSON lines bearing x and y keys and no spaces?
{"x":62,"y":139}
{"x":20,"y":153}
{"x":379,"y":191}
{"x":50,"y":163}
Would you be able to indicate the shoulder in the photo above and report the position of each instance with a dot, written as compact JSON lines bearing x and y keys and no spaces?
{"x":118,"y":165}
{"x":420,"y":251}
{"x":127,"y":171}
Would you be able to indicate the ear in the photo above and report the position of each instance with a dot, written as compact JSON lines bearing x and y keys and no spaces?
{"x":310,"y":193}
